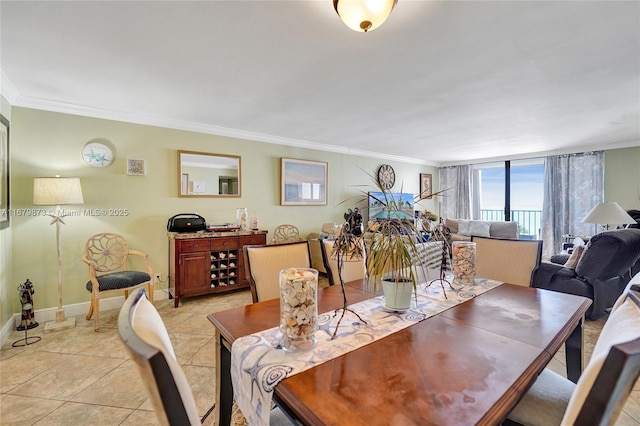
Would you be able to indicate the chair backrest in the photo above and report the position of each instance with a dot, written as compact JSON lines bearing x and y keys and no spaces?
{"x":286,"y":234}
{"x":613,"y":369}
{"x":507,"y":260}
{"x":351,"y":269}
{"x":147,"y":341}
{"x":429,"y":255}
{"x":263,"y":264}
{"x":107,"y":251}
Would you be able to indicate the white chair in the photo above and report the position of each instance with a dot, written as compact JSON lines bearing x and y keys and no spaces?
{"x":351,"y":269}
{"x":604,"y":385}
{"x":286,"y":234}
{"x":147,"y":341}
{"x":263,"y":264}
{"x":507,"y":260}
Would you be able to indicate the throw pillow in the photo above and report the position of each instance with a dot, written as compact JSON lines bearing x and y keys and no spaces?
{"x":504,"y":229}
{"x":574,"y":259}
{"x":479,"y":228}
{"x":463,"y":227}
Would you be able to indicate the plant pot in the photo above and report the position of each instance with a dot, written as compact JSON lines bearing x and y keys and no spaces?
{"x":397,"y":295}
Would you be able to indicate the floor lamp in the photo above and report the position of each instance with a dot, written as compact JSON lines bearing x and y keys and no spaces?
{"x":57,"y":191}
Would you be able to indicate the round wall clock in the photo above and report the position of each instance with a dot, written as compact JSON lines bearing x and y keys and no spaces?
{"x":97,"y":154}
{"x":386,"y":176}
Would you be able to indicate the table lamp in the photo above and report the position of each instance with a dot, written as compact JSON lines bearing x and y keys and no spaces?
{"x":57,"y":191}
{"x":609,"y":213}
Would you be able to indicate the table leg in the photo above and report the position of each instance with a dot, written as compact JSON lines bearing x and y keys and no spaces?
{"x":224,"y":388}
{"x":573,"y":353}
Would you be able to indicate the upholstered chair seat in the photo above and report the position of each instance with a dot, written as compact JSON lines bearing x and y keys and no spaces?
{"x":120,"y":280}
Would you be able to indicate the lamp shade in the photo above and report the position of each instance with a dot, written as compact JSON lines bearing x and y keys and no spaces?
{"x":56,"y":191}
{"x":608,"y":213}
{"x":364,"y":15}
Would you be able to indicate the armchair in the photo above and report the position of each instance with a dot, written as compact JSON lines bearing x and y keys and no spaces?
{"x":602,"y":272}
{"x":106,"y":254}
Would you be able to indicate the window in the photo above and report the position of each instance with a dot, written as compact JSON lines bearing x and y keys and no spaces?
{"x":512,"y":189}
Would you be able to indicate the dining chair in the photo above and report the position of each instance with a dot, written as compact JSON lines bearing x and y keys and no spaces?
{"x":507,"y":260}
{"x":147,"y":341}
{"x":604,"y":385}
{"x":286,"y":234}
{"x":107,"y":255}
{"x":352,"y":269}
{"x":263,"y":264}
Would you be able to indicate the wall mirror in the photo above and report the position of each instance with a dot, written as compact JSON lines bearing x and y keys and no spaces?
{"x":208,"y":175}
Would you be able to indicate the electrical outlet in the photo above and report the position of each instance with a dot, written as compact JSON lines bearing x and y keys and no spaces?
{"x":158,"y":277}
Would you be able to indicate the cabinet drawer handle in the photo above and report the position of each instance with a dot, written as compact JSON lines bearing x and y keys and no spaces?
{"x":226,"y":243}
{"x":195,"y":245}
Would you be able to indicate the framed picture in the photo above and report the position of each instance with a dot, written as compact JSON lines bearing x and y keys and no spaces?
{"x":426,"y":187}
{"x":303,"y":182}
{"x":136,"y":167}
{"x":4,"y":172}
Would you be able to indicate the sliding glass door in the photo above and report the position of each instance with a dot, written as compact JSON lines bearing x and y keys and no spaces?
{"x":512,"y":190}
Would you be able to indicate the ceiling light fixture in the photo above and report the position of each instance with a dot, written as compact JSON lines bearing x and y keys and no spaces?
{"x":364,"y":15}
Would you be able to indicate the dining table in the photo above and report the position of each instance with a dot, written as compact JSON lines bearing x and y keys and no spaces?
{"x":468,"y":364}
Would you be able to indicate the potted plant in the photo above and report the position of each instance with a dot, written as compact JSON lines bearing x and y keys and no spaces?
{"x":391,"y":241}
{"x":392,"y":247}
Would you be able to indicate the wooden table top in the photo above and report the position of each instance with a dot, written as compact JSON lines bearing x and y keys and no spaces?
{"x":467,"y":365}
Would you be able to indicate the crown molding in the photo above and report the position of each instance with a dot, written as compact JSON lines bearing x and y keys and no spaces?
{"x":145,"y":119}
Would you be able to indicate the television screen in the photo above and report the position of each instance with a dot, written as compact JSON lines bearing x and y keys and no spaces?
{"x":378,"y":210}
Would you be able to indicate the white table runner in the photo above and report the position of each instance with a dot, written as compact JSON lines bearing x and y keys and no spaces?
{"x":258,"y":363}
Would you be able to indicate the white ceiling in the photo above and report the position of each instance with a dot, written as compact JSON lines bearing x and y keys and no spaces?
{"x":438,"y":83}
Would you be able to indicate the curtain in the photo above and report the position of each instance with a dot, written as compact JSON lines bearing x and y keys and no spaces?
{"x":456,"y":200}
{"x":573,"y":184}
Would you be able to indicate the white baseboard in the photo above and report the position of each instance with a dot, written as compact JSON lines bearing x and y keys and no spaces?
{"x":49,"y":314}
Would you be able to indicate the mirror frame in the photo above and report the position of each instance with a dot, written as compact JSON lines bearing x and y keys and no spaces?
{"x":209,"y":154}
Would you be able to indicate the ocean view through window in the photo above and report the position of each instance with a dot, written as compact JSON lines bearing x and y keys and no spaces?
{"x":524,"y":198}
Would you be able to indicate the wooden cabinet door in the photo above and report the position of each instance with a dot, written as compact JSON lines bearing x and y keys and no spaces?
{"x":194,"y":273}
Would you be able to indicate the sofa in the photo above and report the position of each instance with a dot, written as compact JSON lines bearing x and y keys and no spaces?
{"x":601,"y":272}
{"x":463,"y":229}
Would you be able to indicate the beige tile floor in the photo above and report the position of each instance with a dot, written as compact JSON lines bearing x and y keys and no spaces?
{"x":80,"y":377}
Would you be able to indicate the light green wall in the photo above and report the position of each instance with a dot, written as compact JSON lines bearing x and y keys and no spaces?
{"x":46,"y":143}
{"x":622,"y":177}
{"x":6,"y":277}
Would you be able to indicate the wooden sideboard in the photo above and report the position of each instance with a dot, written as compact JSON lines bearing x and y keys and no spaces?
{"x":208,"y":263}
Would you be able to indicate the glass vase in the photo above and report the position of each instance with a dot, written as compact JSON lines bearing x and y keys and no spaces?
{"x":242,"y":218}
{"x":298,"y":308}
{"x":464,"y":262}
